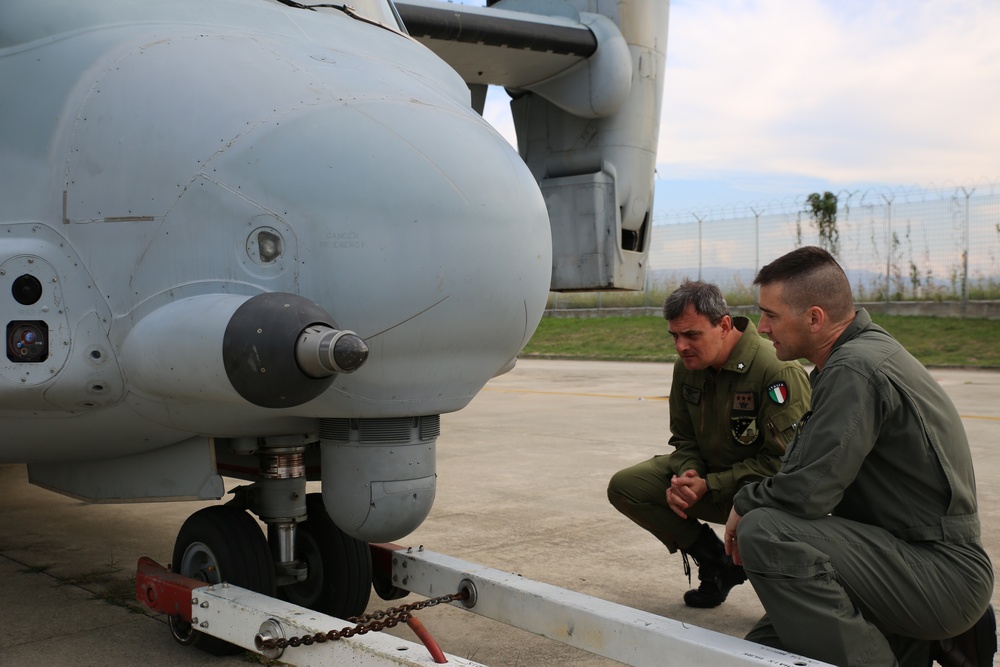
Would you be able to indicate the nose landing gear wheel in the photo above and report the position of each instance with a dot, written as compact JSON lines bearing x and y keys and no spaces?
{"x":340,"y":567}
{"x":217,"y":544}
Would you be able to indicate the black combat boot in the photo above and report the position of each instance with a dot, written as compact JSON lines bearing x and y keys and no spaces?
{"x":716,"y":571}
{"x":973,"y":648}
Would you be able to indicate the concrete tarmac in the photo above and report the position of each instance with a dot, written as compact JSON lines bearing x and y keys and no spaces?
{"x":522,"y":474}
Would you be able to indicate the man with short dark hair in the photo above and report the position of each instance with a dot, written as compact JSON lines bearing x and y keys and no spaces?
{"x":865,"y":547}
{"x":733,"y":406}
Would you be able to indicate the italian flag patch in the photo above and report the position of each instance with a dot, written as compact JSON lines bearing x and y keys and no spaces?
{"x":778,"y":392}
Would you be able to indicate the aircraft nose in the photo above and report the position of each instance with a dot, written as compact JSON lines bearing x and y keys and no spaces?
{"x":416,"y":226}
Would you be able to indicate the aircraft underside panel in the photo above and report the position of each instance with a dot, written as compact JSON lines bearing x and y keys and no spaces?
{"x":185,"y":471}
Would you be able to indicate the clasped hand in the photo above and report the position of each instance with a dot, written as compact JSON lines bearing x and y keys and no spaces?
{"x":685,"y":490}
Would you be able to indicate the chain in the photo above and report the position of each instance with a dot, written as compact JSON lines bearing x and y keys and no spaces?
{"x":373,"y":622}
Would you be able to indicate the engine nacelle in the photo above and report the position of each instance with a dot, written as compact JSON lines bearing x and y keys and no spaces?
{"x":594,"y":157}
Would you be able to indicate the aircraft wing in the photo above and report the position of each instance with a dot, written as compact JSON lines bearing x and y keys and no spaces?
{"x":497,"y":46}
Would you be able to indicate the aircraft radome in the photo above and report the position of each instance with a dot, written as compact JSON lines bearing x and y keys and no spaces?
{"x":276,"y":242}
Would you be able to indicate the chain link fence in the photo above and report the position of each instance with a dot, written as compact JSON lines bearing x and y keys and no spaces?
{"x":910,"y":245}
{"x":919,"y":245}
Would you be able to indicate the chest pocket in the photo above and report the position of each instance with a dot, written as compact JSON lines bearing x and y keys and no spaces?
{"x":691,"y":394}
{"x":743,"y":419}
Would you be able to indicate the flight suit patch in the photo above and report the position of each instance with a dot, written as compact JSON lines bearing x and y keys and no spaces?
{"x":691,"y":394}
{"x":745,"y":429}
{"x":778,"y":392}
{"x":743,"y":400}
{"x":743,"y":418}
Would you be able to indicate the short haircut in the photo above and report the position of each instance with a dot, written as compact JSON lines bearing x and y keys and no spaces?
{"x":811,"y":277}
{"x":706,"y":298}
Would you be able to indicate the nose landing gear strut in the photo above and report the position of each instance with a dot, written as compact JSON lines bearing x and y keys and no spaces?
{"x":305,"y":559}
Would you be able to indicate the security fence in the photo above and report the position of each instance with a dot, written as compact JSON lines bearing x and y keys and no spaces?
{"x":904,"y":248}
{"x":911,"y":245}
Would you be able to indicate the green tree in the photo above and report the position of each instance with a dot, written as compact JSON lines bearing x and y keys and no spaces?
{"x":824,"y":214}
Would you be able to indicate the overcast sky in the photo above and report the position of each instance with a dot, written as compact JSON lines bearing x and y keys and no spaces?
{"x":771,"y":99}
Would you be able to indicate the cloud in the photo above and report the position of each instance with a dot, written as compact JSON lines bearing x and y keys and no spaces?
{"x":845,"y":91}
{"x":765,"y":100}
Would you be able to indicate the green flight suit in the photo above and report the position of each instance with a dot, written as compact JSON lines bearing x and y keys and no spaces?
{"x":866,"y":544}
{"x":731,"y":426}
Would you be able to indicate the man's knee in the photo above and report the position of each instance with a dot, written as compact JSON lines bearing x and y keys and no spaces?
{"x":637,"y":485}
{"x":624,"y":493}
{"x":616,"y":486}
{"x":753,"y":534}
{"x":773,"y":541}
{"x":760,"y":533}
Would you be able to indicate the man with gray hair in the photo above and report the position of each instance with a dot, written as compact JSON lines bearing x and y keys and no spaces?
{"x":733,"y":406}
{"x":864,"y":548}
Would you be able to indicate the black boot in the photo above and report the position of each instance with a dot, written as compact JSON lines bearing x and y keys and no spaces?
{"x":973,"y":648}
{"x":716,"y":571}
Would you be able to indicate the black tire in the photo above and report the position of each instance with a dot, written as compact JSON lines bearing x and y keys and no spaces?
{"x":217,"y":544}
{"x":339,"y":582}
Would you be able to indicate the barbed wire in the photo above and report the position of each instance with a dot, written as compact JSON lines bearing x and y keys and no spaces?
{"x":847,"y":198}
{"x":934,"y":243}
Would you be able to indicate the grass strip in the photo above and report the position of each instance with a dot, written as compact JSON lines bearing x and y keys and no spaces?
{"x":935,"y":341}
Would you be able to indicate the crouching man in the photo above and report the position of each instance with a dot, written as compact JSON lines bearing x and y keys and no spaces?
{"x":864,"y":549}
{"x":733,"y":406}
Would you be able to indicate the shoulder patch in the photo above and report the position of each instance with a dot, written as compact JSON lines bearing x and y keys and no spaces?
{"x":778,"y":392}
